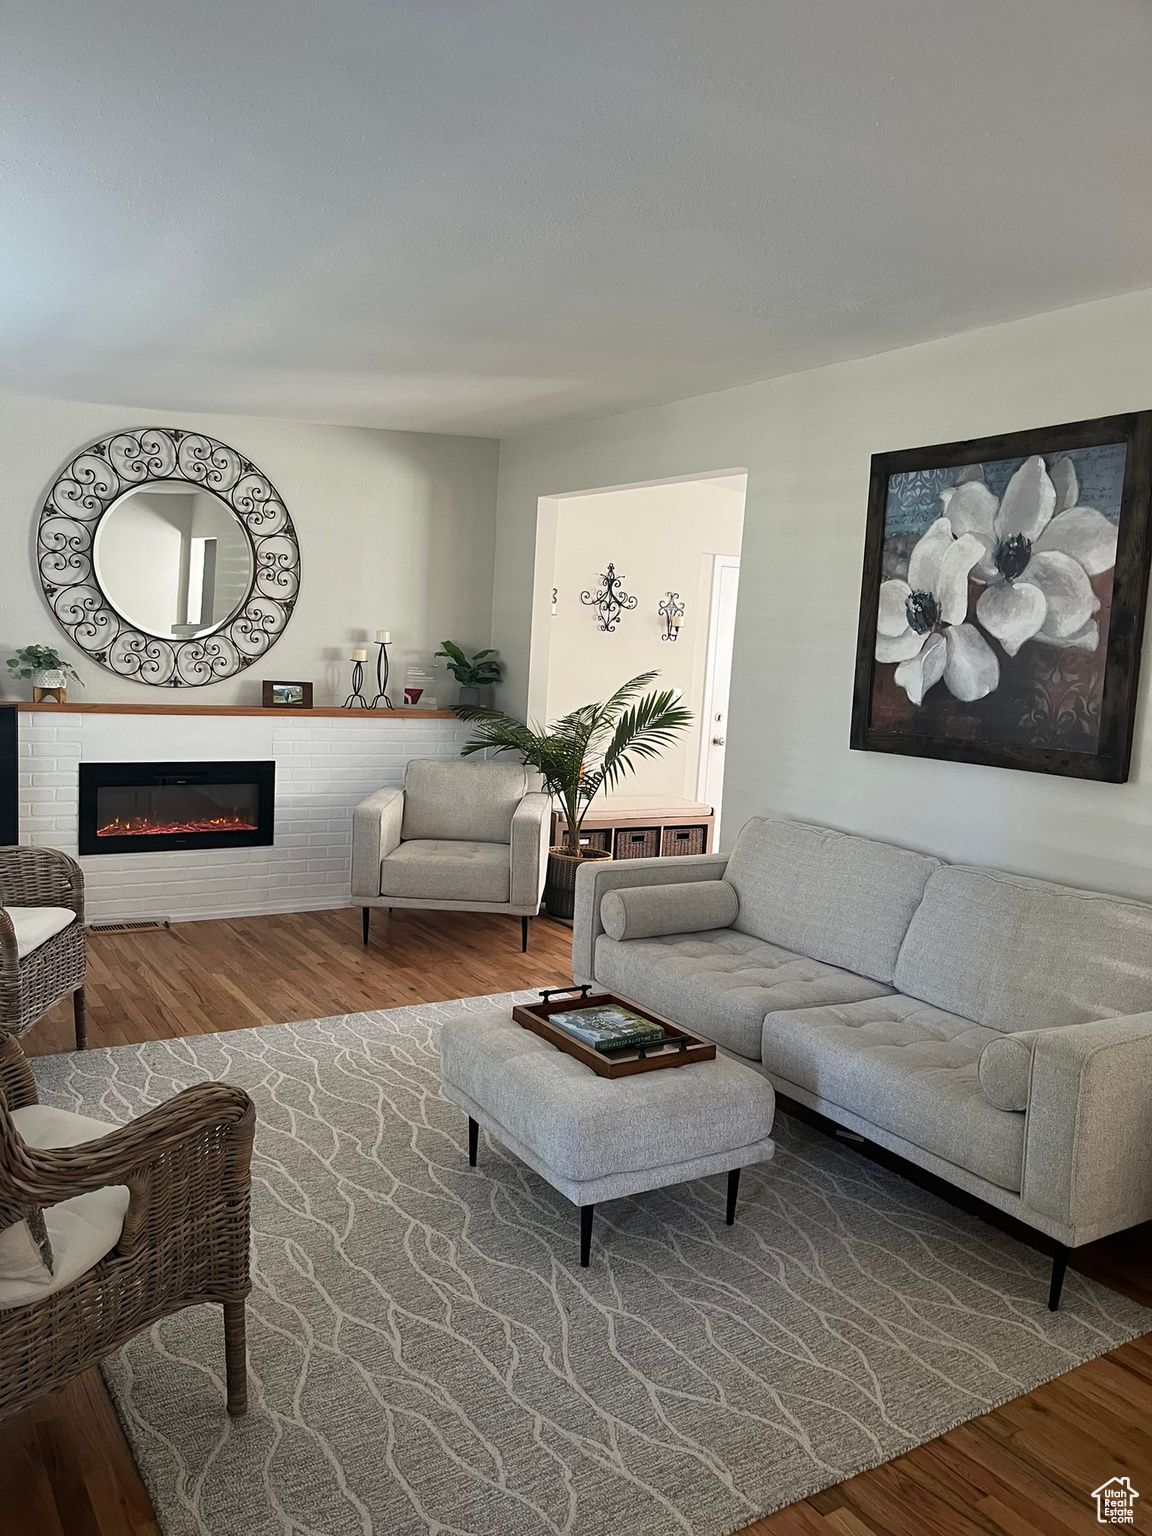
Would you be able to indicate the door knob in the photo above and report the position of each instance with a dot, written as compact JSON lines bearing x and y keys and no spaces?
{"x":717,"y":741}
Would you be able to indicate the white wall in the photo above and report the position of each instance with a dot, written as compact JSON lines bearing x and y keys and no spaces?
{"x":806,"y":441}
{"x":396,"y":532}
{"x":661,"y":538}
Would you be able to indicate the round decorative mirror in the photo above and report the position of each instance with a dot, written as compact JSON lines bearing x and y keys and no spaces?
{"x":168,"y":557}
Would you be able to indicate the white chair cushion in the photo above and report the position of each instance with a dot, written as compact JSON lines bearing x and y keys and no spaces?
{"x":81,"y":1230}
{"x":36,"y":925}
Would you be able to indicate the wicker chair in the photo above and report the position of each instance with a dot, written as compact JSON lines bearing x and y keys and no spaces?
{"x":29,"y":987}
{"x":184,"y":1240}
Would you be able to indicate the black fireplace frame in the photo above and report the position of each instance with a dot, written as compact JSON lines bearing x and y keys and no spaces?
{"x":97,"y":776}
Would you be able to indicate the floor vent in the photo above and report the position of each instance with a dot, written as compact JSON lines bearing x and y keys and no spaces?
{"x":155,"y":922}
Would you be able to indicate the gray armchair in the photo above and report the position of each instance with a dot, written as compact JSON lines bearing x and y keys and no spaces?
{"x":460,"y":837}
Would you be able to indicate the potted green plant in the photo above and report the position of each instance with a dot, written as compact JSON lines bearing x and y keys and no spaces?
{"x":48,"y":671}
{"x":587,"y":751}
{"x":472,"y":674}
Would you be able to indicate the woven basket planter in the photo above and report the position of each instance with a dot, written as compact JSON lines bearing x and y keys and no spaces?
{"x":560,"y":884}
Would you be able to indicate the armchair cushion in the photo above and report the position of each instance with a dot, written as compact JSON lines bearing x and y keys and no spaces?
{"x":439,"y":870}
{"x":81,"y":1230}
{"x":651,"y":911}
{"x":452,"y":800}
{"x":34,"y":926}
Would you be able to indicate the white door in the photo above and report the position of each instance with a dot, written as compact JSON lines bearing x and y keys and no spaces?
{"x":717,"y":678}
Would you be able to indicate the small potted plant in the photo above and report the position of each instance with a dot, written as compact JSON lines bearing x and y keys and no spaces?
{"x":589,"y":750}
{"x":48,"y":671}
{"x":472,"y":674}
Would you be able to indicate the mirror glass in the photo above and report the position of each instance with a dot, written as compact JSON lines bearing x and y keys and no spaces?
{"x":173,"y":559}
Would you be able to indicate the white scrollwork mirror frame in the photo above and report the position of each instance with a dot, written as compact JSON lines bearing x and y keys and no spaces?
{"x":92,"y":482}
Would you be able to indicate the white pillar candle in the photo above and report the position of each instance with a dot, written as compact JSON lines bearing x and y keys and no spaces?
{"x":383,"y":637}
{"x":360,"y":655}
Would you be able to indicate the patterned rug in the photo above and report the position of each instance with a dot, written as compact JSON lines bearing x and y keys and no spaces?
{"x":427,"y":1355}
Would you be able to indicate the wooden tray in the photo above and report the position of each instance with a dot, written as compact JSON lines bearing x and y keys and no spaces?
{"x":680,"y":1049}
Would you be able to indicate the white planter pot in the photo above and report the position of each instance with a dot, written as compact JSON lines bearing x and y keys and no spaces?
{"x":50,"y":681}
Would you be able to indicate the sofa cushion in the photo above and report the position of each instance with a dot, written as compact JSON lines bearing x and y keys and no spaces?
{"x":651,"y":911}
{"x":81,"y":1230}
{"x":447,"y":871}
{"x":1015,"y":954}
{"x":1006,"y":1070}
{"x":34,"y":926}
{"x":451,"y":800}
{"x":910,"y":1069}
{"x":844,"y":900}
{"x":722,"y":983}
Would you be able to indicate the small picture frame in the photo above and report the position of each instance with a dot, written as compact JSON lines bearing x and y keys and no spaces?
{"x":286,"y":695}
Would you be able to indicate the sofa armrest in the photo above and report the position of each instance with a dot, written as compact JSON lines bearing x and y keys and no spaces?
{"x":597,"y":877}
{"x":376,"y":824}
{"x":1088,"y":1141}
{"x":531,"y":827}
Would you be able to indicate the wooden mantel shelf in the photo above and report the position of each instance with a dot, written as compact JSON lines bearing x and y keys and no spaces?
{"x":234,"y":709}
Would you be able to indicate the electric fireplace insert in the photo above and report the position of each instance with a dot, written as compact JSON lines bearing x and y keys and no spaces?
{"x":148,"y":807}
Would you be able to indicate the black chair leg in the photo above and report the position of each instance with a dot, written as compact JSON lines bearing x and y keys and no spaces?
{"x":733,"y":1191}
{"x":80,"y":1018}
{"x":1059,"y":1269}
{"x":366,"y":914}
{"x":473,"y":1140}
{"x":586,"y":1214}
{"x":523,"y":935}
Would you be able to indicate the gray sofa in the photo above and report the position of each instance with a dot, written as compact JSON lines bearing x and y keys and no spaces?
{"x":993,"y":1029}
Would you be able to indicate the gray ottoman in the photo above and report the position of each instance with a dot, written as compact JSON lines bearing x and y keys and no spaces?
{"x":596,"y":1138}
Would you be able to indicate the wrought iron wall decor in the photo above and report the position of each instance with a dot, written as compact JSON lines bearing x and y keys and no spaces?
{"x":671,"y":610}
{"x":611,"y":601}
{"x":99,"y":477}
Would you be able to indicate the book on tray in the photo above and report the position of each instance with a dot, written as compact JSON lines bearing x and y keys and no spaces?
{"x":608,"y":1027}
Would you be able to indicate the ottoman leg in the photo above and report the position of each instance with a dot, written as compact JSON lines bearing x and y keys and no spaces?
{"x":586,"y":1214}
{"x":733,"y":1191}
{"x":473,"y":1140}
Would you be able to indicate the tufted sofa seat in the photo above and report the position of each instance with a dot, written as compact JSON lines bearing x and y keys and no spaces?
{"x":993,"y":1029}
{"x":908,"y":1067}
{"x":723,"y":983}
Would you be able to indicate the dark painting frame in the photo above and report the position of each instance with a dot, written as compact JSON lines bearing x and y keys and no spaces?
{"x":1111,"y":760}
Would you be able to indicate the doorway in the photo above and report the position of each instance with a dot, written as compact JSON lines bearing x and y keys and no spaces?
{"x":674,"y":549}
{"x":717,"y":682}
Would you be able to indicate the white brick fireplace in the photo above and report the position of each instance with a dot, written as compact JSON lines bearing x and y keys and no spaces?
{"x":325,"y":764}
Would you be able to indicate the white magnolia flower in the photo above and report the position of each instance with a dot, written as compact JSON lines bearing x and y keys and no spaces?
{"x":1039,"y":550}
{"x":921,"y":621}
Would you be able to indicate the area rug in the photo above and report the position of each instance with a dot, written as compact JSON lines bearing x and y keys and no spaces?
{"x":427,"y":1355}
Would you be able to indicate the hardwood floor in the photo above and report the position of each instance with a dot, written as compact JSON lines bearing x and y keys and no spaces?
{"x":1026,"y":1469}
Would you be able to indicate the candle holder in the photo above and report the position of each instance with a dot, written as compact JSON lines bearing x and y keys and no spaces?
{"x":671,"y":610}
{"x":356,"y":699}
{"x":382,"y":670}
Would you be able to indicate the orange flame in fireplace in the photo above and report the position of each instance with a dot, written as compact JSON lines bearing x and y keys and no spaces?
{"x":151,"y":826}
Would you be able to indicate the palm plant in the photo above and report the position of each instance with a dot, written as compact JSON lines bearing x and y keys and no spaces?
{"x":591,"y":749}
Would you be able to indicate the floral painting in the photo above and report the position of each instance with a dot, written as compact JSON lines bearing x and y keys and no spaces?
{"x":990,"y":601}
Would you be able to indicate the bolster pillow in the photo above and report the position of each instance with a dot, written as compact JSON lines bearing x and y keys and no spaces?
{"x":648,"y":911}
{"x":1006,"y":1069}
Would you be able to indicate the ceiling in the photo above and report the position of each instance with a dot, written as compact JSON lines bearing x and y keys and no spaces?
{"x":483,"y":215}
